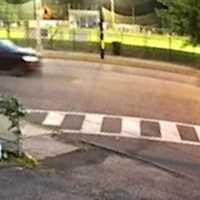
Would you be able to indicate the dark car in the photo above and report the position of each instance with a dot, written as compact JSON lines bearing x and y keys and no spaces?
{"x":17,"y":60}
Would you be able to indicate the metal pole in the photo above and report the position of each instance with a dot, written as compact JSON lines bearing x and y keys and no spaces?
{"x":133,"y":13}
{"x":170,"y":41}
{"x":38,"y":30}
{"x":34,"y":10}
{"x":102,"y":44}
{"x":112,"y":12}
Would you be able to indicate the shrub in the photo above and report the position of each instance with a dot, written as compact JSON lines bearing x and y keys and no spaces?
{"x":15,"y":112}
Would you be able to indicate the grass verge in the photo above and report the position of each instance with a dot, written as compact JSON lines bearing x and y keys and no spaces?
{"x":149,"y":53}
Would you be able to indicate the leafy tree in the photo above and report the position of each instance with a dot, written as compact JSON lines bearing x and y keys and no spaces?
{"x":8,"y":14}
{"x":17,"y":1}
{"x":182,"y":17}
{"x":13,"y":11}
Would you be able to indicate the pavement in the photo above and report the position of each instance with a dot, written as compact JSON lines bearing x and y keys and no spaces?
{"x":38,"y":142}
{"x":94,"y":174}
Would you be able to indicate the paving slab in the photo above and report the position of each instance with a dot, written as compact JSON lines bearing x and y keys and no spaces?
{"x":42,"y":147}
{"x":30,"y":130}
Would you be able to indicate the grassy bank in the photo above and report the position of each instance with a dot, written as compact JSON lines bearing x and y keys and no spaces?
{"x":147,"y":39}
{"x":152,"y":53}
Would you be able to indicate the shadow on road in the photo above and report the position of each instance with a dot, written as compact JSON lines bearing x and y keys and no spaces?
{"x":82,"y":157}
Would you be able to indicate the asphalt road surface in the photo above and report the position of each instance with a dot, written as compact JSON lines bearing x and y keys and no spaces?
{"x":94,"y":174}
{"x":97,"y":88}
{"x":165,"y":170}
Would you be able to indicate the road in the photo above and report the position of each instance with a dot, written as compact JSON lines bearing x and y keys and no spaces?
{"x":96,"y":88}
{"x":94,"y":174}
{"x":151,"y":169}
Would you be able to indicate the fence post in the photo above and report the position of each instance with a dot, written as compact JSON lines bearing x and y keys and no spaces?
{"x":195,"y":56}
{"x":122,"y":36}
{"x":170,"y":46}
{"x":26,"y":24}
{"x":38,"y":18}
{"x":170,"y":39}
{"x":145,"y":41}
{"x":74,"y":38}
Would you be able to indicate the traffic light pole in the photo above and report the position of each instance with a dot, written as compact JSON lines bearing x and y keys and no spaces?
{"x":38,"y":29}
{"x":112,"y":13}
{"x":34,"y":10}
{"x":102,"y":43}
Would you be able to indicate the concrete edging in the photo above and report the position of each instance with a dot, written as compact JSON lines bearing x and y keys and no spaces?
{"x":122,"y":61}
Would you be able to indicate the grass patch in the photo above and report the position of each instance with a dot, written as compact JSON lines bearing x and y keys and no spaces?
{"x":135,"y":39}
{"x":136,"y":51}
{"x":11,"y":160}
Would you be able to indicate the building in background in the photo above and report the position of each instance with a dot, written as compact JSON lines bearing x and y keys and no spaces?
{"x":83,"y":18}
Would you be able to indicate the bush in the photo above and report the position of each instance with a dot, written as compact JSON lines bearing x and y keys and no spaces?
{"x":15,"y":112}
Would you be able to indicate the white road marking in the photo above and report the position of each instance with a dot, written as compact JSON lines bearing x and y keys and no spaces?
{"x":92,"y":123}
{"x":142,"y":138}
{"x":54,"y":119}
{"x":197,"y":130}
{"x":131,"y":126}
{"x":105,"y":115}
{"x":169,"y":131}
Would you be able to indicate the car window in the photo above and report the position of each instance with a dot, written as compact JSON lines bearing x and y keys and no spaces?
{"x":7,"y":46}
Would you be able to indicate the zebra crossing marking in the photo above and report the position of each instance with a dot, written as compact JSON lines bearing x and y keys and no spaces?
{"x":197,"y":129}
{"x":92,"y":123}
{"x":54,"y":119}
{"x":169,"y":131}
{"x":130,"y":126}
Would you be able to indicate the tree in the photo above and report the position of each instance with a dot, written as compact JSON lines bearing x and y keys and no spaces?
{"x":14,"y":11}
{"x":182,"y":17}
{"x":8,"y":14}
{"x":24,"y":8}
{"x":17,"y":1}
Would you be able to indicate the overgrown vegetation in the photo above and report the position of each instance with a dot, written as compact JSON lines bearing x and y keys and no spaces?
{"x":15,"y":112}
{"x":10,"y":159}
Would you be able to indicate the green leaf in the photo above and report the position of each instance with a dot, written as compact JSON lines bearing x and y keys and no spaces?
{"x":11,"y":108}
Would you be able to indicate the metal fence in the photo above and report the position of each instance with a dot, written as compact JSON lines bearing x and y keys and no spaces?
{"x":140,"y":42}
